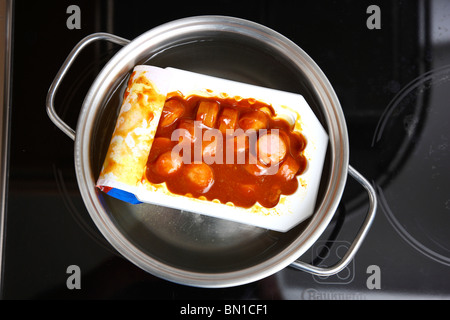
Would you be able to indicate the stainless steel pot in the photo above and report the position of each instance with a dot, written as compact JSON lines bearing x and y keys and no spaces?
{"x":184,"y":247}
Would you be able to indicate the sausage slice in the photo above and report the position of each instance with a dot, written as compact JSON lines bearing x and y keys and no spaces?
{"x":168,"y":164}
{"x":200,"y":176}
{"x":271,"y":149}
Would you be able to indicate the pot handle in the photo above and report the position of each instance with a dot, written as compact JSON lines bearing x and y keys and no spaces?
{"x":327,"y":271}
{"x":62,"y":72}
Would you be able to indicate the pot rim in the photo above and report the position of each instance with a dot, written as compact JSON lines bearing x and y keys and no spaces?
{"x":124,"y":60}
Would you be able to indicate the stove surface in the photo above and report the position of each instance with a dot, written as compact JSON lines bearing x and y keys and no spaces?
{"x":392,"y":79}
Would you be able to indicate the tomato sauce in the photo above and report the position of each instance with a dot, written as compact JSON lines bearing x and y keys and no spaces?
{"x":226,"y":148}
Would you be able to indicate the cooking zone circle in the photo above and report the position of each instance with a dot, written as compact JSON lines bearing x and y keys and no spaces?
{"x":415,"y":126}
{"x":178,"y":245}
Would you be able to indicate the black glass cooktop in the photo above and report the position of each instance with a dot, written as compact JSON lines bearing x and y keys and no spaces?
{"x":390,"y":67}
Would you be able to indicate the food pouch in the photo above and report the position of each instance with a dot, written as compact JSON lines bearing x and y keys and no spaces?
{"x":124,"y":174}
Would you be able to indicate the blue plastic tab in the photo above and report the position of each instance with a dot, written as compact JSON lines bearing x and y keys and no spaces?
{"x":124,"y":196}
